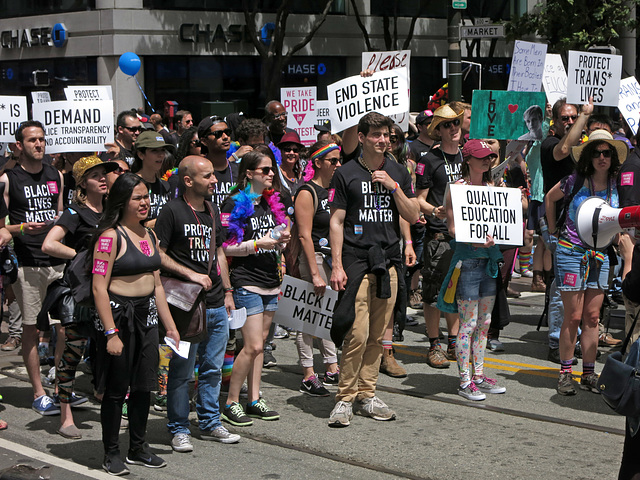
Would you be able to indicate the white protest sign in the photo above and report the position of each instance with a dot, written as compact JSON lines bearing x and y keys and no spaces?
{"x":629,"y":102}
{"x":380,"y":61}
{"x":554,"y":79}
{"x":301,"y":309}
{"x":479,"y":211}
{"x":300,"y":104}
{"x":322,"y":112}
{"x":40,"y":97}
{"x":13,"y":111}
{"x":72,"y":126}
{"x":594,"y":75}
{"x":353,"y":97}
{"x":89,"y":93}
{"x":527,"y":66}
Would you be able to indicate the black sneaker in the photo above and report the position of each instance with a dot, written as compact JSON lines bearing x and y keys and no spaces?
{"x":114,"y":465}
{"x":145,"y":458}
{"x":234,"y":414}
{"x":260,"y":410}
{"x":269,"y":360}
{"x":331,"y":379}
{"x":313,"y":387}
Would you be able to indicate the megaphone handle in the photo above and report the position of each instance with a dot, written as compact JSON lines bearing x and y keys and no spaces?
{"x":594,"y":226}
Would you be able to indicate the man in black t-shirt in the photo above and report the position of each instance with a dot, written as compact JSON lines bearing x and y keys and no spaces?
{"x":129,"y":127}
{"x":275,"y":117}
{"x":367,"y":197}
{"x":215,"y":134}
{"x":184,"y":229}
{"x":424,"y":143}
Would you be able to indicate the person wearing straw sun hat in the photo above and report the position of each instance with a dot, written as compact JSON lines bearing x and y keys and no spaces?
{"x":445,"y":114}
{"x":582,"y":272}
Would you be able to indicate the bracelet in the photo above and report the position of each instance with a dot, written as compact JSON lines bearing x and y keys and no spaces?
{"x":255,"y":246}
{"x":22,"y":229}
{"x":408,"y":242}
{"x":433,"y":212}
{"x":228,"y":290}
{"x":111,"y":332}
{"x":394,"y":190}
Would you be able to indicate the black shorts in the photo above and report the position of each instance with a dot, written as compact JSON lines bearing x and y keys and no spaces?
{"x":437,"y":257}
{"x":534,"y":214}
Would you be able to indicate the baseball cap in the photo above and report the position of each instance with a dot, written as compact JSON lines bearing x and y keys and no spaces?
{"x":153,"y":139}
{"x":206,"y":123}
{"x":478,"y":149}
{"x":423,"y":116}
{"x":324,"y":127}
{"x":82,"y":166}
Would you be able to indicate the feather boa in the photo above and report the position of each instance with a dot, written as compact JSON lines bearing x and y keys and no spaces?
{"x":233,"y":148}
{"x":276,"y":153}
{"x":309,"y":172}
{"x":243,"y":209}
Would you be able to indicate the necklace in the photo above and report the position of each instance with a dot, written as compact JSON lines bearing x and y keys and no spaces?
{"x":450,"y":173}
{"x":377,"y":187}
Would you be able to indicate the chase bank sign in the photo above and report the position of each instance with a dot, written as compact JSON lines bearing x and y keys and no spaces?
{"x":55,"y":36}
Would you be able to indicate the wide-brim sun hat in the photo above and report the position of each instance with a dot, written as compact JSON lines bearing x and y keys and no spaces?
{"x":602,"y":135}
{"x":442,"y":114}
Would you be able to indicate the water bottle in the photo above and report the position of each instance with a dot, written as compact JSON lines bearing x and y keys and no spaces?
{"x":276,"y":233}
{"x":8,"y":266}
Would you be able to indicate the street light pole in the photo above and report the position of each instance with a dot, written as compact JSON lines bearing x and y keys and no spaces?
{"x":454,"y":55}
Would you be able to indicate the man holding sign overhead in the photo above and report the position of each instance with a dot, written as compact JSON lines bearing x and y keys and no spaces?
{"x":367,"y":198}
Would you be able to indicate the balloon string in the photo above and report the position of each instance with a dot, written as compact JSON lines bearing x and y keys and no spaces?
{"x":144,"y":95}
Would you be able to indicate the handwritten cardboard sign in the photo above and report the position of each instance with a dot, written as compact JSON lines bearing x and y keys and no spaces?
{"x":300,"y":103}
{"x":301,"y":309}
{"x":13,"y":111}
{"x":507,"y":115}
{"x":594,"y":75}
{"x":480,"y":211}
{"x":629,"y":102}
{"x":527,"y":66}
{"x":353,"y":97}
{"x":72,"y":126}
{"x":554,"y":79}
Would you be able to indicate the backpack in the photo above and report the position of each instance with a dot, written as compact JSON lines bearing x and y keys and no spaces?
{"x":294,"y":247}
{"x":568,"y":199}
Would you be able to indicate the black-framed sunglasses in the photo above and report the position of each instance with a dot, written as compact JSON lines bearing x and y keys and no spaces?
{"x":333,"y":161}
{"x":606,"y":153}
{"x":134,"y":129}
{"x":218,"y":133}
{"x":196,"y":143}
{"x":265,"y":170}
{"x":120,"y":171}
{"x":290,"y":149}
{"x":393,"y":138}
{"x":567,"y":117}
{"x":455,"y":122}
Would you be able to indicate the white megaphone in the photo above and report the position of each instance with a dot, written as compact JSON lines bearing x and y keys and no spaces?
{"x":598,"y":223}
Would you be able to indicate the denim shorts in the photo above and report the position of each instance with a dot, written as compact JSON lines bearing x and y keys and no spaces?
{"x":474,"y":283}
{"x":254,"y":302}
{"x":570,"y":270}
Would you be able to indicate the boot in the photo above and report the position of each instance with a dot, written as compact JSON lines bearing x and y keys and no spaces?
{"x":389,"y":366}
{"x":537,"y":284}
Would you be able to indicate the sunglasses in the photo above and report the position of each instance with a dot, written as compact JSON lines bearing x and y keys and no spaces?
{"x":567,"y":117}
{"x":265,"y":170}
{"x":134,"y":129}
{"x":606,"y":153}
{"x":393,"y":138}
{"x":455,"y":122}
{"x":333,"y":161}
{"x":218,"y":133}
{"x":290,"y":149}
{"x":120,"y":171}
{"x":196,"y":143}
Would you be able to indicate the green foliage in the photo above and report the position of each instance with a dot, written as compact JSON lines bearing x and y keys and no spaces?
{"x":575,"y":24}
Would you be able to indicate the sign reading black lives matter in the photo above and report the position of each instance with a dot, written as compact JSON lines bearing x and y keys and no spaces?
{"x":350,"y":99}
{"x":594,"y":75}
{"x":13,"y":111}
{"x":480,"y":211}
{"x":76,"y":126}
{"x":300,"y":308}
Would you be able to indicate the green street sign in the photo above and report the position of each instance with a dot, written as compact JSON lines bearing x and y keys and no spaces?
{"x":460,"y":4}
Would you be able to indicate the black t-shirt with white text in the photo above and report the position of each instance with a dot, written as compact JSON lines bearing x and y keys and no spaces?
{"x":69,"y":188}
{"x":186,"y":235}
{"x":80,"y":222}
{"x":227,"y":178}
{"x":370,"y":218}
{"x":159,"y":196}
{"x":320,"y":227}
{"x":418,"y":149}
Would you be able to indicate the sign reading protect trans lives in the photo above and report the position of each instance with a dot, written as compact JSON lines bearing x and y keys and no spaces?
{"x":300,"y":308}
{"x":76,"y":126}
{"x":480,"y":211}
{"x":89,"y":93}
{"x":13,"y":111}
{"x":384,"y":92}
{"x":594,"y":75}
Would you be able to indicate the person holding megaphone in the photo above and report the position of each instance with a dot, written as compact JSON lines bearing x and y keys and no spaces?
{"x":581,"y":271}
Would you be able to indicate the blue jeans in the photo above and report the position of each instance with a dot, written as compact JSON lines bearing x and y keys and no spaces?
{"x":180,"y":372}
{"x":555,"y":316}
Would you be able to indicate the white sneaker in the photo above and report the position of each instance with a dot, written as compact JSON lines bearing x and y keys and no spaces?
{"x":220,"y":434}
{"x":181,"y":442}
{"x":489,"y":385}
{"x":471,"y":392}
{"x":375,"y":408}
{"x":515,"y":274}
{"x":341,"y":414}
{"x":527,"y":273}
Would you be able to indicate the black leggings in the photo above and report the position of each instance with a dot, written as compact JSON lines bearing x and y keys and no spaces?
{"x":630,"y":468}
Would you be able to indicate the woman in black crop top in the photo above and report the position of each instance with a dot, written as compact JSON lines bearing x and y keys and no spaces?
{"x":129,"y":302}
{"x":312,"y":218}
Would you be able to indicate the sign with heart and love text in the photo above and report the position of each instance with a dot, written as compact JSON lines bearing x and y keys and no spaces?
{"x":507,"y":115}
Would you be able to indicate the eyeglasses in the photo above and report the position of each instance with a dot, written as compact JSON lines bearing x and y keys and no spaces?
{"x":196,"y":143}
{"x":133,"y":129}
{"x":280,"y":115}
{"x":120,"y":171}
{"x":606,"y":153}
{"x":455,"y":122}
{"x":265,"y":170}
{"x":290,"y":149}
{"x":219,"y":133}
{"x":567,"y":117}
{"x":393,"y":138}
{"x":333,"y":161}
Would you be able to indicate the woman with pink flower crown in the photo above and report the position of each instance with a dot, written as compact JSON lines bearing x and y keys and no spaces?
{"x":257,"y":232}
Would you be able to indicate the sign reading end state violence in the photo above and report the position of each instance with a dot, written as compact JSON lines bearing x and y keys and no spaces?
{"x":384,"y":92}
{"x":301,"y":309}
{"x":76,"y":126}
{"x":480,"y":211}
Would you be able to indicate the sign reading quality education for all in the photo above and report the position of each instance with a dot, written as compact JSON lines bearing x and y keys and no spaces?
{"x":480,"y":211}
{"x":13,"y":111}
{"x":76,"y":126}
{"x":594,"y":75}
{"x":351,"y":98}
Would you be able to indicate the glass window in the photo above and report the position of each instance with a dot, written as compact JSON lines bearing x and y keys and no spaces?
{"x":26,"y":8}
{"x":494,"y":9}
{"x":264,"y":6}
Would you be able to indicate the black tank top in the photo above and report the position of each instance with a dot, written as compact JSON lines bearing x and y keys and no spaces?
{"x":134,"y":262}
{"x":33,"y":197}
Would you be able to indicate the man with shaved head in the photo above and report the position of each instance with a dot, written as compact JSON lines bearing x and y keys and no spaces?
{"x":185,"y":228}
{"x":275,"y":117}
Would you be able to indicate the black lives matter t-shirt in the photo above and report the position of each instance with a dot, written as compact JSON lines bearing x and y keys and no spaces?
{"x":227,"y":178}
{"x":261,"y":269}
{"x":419,"y":149}
{"x":69,"y":188}
{"x":320,"y":227}
{"x":186,"y":235}
{"x":80,"y":222}
{"x":370,"y":218}
{"x":159,"y":196}
{"x":434,"y":171}
{"x":33,"y":197}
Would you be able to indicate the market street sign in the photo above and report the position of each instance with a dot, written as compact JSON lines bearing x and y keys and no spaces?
{"x":482,"y":31}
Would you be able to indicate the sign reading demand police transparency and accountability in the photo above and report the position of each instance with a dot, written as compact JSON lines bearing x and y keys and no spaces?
{"x":480,"y":211}
{"x":384,"y":92}
{"x":76,"y":126}
{"x":13,"y":111}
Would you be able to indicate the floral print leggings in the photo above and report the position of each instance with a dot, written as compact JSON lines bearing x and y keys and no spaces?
{"x":475,"y":318}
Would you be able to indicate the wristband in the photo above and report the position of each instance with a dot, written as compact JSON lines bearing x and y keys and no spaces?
{"x":255,"y":246}
{"x":394,"y":190}
{"x":228,"y":290}
{"x":408,"y":242}
{"x":22,"y":229}
{"x":111,"y":332}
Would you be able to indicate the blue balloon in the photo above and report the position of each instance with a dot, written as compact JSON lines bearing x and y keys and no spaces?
{"x":129,"y":63}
